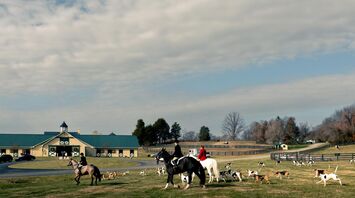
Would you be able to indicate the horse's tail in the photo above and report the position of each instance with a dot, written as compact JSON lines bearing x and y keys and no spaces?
{"x":215,"y":169}
{"x":97,"y":173}
{"x":202,"y":175}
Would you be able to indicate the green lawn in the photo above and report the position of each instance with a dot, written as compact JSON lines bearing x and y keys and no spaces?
{"x":55,"y":163}
{"x":300,"y":184}
{"x":297,"y":146}
{"x":342,"y":149}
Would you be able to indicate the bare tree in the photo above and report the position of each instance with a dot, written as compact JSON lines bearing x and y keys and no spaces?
{"x":233,"y":124}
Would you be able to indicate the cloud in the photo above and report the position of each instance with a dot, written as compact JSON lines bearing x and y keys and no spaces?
{"x":116,"y":48}
{"x":121,"y":45}
{"x":254,"y":103}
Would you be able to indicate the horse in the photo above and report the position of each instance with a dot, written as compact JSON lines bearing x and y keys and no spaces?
{"x":184,"y":164}
{"x":90,"y":170}
{"x":211,"y":165}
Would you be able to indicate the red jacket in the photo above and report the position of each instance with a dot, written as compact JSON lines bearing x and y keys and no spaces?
{"x":202,"y":155}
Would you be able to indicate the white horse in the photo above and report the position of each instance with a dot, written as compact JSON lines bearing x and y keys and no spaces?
{"x":211,"y":166}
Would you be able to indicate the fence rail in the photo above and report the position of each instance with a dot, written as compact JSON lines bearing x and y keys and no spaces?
{"x":308,"y":156}
{"x":219,"y":146}
{"x":218,"y":153}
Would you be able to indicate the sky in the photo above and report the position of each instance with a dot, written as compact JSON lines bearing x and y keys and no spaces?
{"x":102,"y":65}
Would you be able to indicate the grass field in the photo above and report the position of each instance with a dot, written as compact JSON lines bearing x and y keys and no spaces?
{"x":55,"y":163}
{"x":300,"y":184}
{"x":342,"y":149}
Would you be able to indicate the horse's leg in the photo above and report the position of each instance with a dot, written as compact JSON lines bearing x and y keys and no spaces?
{"x":78,"y":180}
{"x":189,"y":174}
{"x":92,"y":179}
{"x":168,"y":180}
{"x":210,"y":174}
{"x":201,"y":175}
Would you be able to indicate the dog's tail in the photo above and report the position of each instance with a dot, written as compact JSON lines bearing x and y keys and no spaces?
{"x":336,"y":168}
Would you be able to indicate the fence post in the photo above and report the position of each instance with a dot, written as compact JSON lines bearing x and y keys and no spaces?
{"x":322,"y":157}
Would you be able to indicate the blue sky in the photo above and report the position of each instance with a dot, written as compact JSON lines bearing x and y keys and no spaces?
{"x":102,"y":65}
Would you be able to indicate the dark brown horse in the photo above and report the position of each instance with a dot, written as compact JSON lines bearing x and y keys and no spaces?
{"x":90,"y":170}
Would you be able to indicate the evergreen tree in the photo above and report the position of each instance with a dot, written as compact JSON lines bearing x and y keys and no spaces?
{"x":139,"y":131}
{"x":291,"y":131}
{"x":150,"y":135}
{"x":162,"y":129}
{"x":175,"y":131}
{"x":204,"y":134}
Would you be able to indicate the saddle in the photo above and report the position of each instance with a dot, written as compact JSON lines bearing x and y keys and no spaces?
{"x":176,"y":161}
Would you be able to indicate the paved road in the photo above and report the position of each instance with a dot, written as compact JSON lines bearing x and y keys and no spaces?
{"x":6,"y":172}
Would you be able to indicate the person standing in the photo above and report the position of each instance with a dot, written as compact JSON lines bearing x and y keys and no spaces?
{"x":202,"y":155}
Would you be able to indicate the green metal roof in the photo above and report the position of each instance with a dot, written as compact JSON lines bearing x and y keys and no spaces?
{"x":97,"y":141}
{"x":22,"y":140}
{"x":109,"y":141}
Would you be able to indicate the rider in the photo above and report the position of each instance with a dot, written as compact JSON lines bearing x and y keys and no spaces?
{"x":202,"y":155}
{"x":177,"y":152}
{"x":82,"y":162}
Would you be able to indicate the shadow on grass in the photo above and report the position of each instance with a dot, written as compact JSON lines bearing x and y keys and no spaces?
{"x":112,"y":184}
{"x":220,"y":185}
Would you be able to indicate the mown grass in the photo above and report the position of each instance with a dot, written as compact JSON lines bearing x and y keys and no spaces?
{"x":300,"y":184}
{"x":342,"y":149}
{"x":55,"y":163}
{"x":297,"y":146}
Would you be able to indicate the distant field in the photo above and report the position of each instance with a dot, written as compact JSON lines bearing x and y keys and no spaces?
{"x":300,"y":184}
{"x":55,"y":163}
{"x":342,"y":149}
{"x":297,"y":146}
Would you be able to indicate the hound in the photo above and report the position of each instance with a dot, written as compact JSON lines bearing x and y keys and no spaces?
{"x":325,"y":177}
{"x":280,"y":173}
{"x":262,"y":178}
{"x":237,"y":174}
{"x":142,"y":173}
{"x":252,"y":173}
{"x":310,"y":163}
{"x":261,"y":164}
{"x":318,"y":172}
{"x":224,"y":175}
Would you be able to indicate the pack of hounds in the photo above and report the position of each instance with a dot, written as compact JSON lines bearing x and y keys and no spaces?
{"x":229,"y":175}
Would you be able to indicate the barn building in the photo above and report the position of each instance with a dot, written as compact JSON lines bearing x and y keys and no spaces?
{"x":63,"y":142}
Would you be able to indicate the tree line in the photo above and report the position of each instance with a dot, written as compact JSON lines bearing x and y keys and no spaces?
{"x":160,"y":132}
{"x":338,"y":128}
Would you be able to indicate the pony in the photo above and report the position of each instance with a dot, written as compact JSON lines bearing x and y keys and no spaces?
{"x":90,"y":170}
{"x":184,"y":164}
{"x":211,"y":166}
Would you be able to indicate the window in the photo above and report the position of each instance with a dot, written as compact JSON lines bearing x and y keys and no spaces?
{"x":64,"y":141}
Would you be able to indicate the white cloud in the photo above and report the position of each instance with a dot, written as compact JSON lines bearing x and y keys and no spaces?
{"x":117,"y":43}
{"x":306,"y":96}
{"x":115,"y":48}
